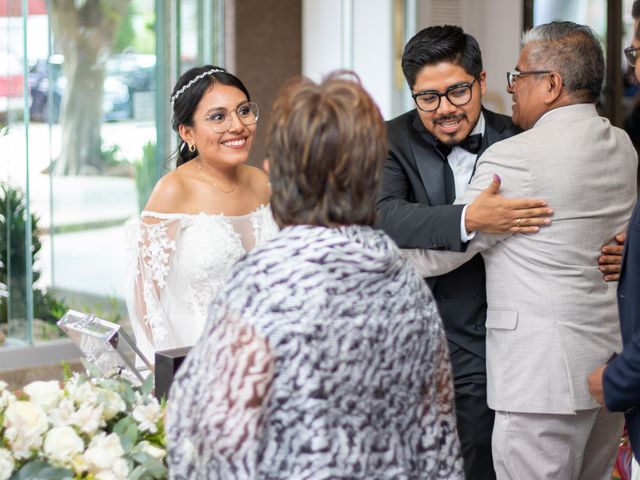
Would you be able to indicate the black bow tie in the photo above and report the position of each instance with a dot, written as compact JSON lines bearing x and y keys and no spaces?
{"x":471,"y":144}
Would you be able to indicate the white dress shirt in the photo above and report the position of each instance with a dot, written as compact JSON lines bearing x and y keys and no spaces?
{"x":462,"y":163}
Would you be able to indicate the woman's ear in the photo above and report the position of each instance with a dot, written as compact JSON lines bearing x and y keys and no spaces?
{"x":265,"y":165}
{"x":186,"y":134}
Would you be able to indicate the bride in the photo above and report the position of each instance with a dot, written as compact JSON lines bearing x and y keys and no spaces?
{"x":201,"y":217}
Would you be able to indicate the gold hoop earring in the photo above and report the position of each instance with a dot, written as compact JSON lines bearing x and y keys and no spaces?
{"x":192,"y":148}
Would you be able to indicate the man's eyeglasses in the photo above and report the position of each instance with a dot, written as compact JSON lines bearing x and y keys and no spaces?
{"x":220,"y":120}
{"x":632,"y":55}
{"x":513,"y":75}
{"x":458,"y":95}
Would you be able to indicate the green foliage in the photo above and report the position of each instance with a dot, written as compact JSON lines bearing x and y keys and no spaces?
{"x":145,"y":41}
{"x":137,"y":31}
{"x":13,"y":272}
{"x":111,"y":156}
{"x":39,"y":470}
{"x":66,"y":370}
{"x":146,"y":175}
{"x":126,"y":34}
{"x":13,"y":225}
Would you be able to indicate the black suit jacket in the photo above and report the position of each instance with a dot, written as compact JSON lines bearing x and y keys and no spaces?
{"x":621,"y":382}
{"x":413,"y":210}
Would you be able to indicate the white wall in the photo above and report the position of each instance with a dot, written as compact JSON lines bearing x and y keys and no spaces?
{"x":364,"y":44}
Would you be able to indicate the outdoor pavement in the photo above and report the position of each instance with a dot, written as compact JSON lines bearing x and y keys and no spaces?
{"x":86,"y":251}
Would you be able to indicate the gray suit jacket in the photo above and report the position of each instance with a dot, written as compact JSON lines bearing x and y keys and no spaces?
{"x":551,"y":318}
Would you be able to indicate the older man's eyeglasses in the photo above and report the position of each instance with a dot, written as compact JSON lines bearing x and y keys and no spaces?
{"x":220,"y":120}
{"x":632,"y":55}
{"x":457,"y":95}
{"x":513,"y":75}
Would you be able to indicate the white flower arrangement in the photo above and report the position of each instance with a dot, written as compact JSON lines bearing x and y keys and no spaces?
{"x":86,"y":428}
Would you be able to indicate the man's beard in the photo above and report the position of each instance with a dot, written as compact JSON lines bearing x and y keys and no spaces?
{"x":451,"y":140}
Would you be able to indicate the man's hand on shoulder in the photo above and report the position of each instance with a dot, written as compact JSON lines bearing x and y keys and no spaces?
{"x":490,"y":212}
{"x":611,"y":259}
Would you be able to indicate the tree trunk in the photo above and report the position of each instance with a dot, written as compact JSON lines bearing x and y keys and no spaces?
{"x":81,"y":121}
{"x":84,"y":31}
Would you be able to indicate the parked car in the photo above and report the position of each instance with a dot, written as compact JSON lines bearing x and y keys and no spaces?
{"x":123,"y":78}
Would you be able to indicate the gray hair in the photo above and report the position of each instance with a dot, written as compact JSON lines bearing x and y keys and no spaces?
{"x":572,"y":50}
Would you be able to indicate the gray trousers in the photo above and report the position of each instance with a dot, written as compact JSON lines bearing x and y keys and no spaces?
{"x":532,"y":446}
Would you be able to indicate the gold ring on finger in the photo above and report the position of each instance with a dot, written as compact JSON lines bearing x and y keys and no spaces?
{"x":518,"y":221}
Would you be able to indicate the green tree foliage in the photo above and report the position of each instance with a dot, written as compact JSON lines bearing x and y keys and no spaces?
{"x":13,"y":272}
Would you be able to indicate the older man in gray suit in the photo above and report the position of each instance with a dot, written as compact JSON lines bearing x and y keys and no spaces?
{"x":551,"y":320}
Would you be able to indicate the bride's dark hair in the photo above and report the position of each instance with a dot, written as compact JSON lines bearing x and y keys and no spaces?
{"x":186,"y":95}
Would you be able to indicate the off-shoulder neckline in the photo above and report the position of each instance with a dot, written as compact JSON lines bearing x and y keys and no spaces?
{"x":168,"y":216}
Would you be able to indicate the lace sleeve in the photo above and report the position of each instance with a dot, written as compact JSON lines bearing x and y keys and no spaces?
{"x":152,"y":249}
{"x":438,"y":419}
{"x":217,"y":404}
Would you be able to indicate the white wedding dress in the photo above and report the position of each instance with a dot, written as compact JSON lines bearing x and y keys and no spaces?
{"x":181,"y":262}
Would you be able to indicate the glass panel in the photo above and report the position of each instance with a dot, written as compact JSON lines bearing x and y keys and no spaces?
{"x":15,"y":219}
{"x":103,"y":148}
{"x":78,"y":135}
{"x":188,"y":57}
{"x":88,"y":144}
{"x":586,"y":12}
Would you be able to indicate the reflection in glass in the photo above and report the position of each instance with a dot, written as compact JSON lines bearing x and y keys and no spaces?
{"x":78,"y":138}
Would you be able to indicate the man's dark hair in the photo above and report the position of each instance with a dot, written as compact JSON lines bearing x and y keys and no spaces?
{"x":446,"y":43}
{"x":635,"y":10}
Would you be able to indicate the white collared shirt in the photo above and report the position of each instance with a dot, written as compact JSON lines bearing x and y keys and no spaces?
{"x":462,"y":163}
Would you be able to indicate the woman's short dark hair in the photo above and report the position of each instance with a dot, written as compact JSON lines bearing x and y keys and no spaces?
{"x":326,"y":147}
{"x":186,"y":96}
{"x":445,"y":43}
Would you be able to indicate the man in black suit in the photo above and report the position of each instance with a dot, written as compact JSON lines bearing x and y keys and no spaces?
{"x":432,"y":155}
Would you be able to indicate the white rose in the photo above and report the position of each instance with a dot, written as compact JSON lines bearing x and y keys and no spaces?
{"x":118,"y":471}
{"x":103,"y":452}
{"x":88,"y":418}
{"x":121,"y":469}
{"x":152,"y":450}
{"x":3,"y":385}
{"x":6,"y":397}
{"x":147,"y":416}
{"x":79,"y":464}
{"x":45,"y":394}
{"x":62,"y":414}
{"x":61,"y":444}
{"x":6,"y":463}
{"x":83,"y":393}
{"x":111,"y":402}
{"x":25,"y":422}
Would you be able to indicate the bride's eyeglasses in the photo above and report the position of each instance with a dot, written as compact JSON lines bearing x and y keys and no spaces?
{"x":220,"y":121}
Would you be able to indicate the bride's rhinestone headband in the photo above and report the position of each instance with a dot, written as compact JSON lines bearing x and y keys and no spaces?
{"x":188,"y":85}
